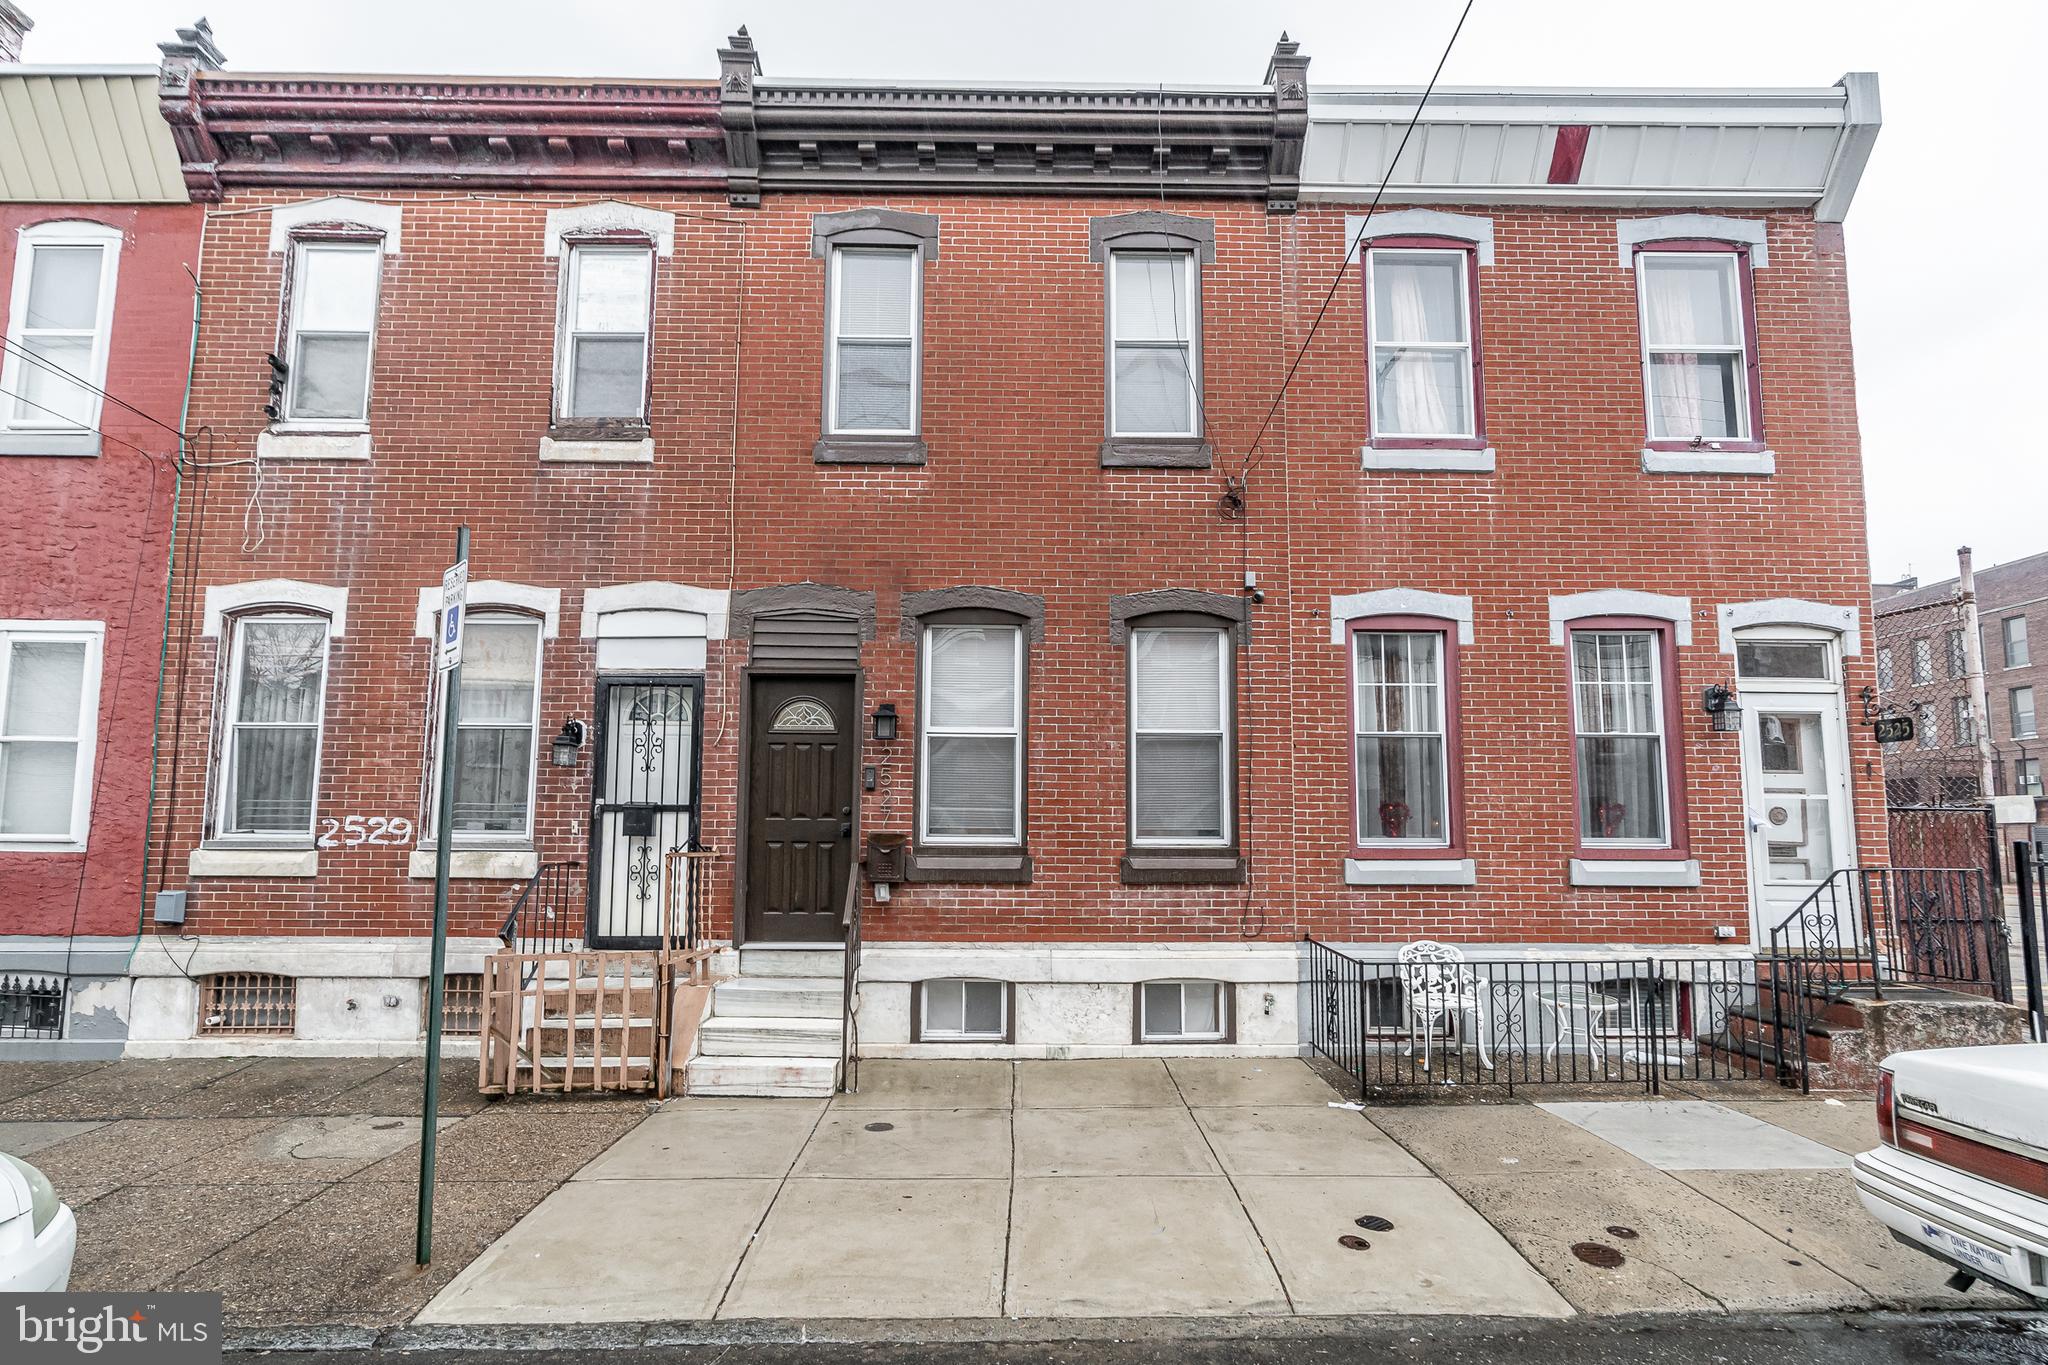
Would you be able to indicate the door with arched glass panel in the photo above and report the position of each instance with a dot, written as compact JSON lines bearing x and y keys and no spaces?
{"x":646,"y":800}
{"x":803,"y":748}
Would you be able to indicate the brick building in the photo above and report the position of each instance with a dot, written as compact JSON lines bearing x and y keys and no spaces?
{"x":901,"y":475}
{"x":98,"y":240}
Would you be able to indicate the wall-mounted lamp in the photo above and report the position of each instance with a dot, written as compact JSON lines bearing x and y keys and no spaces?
{"x":1718,"y":700}
{"x":569,"y":743}
{"x":885,"y":721}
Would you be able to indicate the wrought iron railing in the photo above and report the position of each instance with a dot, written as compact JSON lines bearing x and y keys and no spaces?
{"x":1637,"y":1021}
{"x":849,"y":1001}
{"x":548,"y":917}
{"x":1940,"y":926}
{"x":684,"y":886}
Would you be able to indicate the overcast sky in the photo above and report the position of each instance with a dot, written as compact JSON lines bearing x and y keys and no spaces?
{"x":1948,"y":272}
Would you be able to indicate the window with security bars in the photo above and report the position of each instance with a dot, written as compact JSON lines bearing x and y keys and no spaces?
{"x":872,"y":389}
{"x":462,"y":1004}
{"x":31,"y":1006}
{"x":248,"y":1004}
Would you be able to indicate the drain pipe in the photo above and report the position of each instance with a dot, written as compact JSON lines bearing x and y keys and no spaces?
{"x":1973,"y":666}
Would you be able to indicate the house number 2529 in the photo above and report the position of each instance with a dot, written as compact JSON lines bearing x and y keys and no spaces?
{"x":360,"y":829}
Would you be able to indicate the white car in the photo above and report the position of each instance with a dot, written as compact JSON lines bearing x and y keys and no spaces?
{"x":37,"y":1232}
{"x":1962,"y":1169}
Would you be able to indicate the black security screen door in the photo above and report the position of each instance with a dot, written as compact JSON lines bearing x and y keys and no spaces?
{"x":646,"y":785}
{"x":800,"y":777}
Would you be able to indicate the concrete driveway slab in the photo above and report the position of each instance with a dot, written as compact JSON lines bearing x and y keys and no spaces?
{"x":1439,"y":1257}
{"x":1688,"y":1254}
{"x":610,"y":1251}
{"x":21,"y":1137}
{"x":1847,"y":1125}
{"x":1497,"y":1139}
{"x":147,"y":1236}
{"x":909,"y":1144}
{"x":690,"y":1143}
{"x":893,"y":1084}
{"x":1136,"y":1247}
{"x":1694,"y":1135}
{"x":1818,"y":1214}
{"x":1214,"y":1082}
{"x":130,"y":1089}
{"x":1117,"y":1141}
{"x":876,"y":1249}
{"x":1302,"y":1140}
{"x":1095,"y":1084}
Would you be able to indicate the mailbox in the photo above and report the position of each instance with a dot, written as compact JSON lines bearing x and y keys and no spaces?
{"x":888,"y":856}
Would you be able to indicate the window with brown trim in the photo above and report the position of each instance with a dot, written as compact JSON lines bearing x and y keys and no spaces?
{"x":248,"y":1004}
{"x":1697,"y":313}
{"x":1422,"y":344}
{"x":1405,"y":760}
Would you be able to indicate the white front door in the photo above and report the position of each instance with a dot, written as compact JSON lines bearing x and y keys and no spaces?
{"x":1795,"y":789}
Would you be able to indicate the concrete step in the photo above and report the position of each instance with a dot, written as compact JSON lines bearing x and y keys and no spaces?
{"x":782,"y":960}
{"x":734,"y":1036}
{"x":767,"y":1077}
{"x":767,"y":997}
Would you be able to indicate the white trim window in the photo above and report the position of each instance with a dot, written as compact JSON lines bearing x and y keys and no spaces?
{"x":607,"y":314}
{"x":332,"y":331}
{"x":1180,"y":736}
{"x":1421,"y":331}
{"x":1182,"y":1012}
{"x":877,"y":347}
{"x":1618,"y":723}
{"x":1695,"y":345}
{"x":1923,"y":661}
{"x":2012,"y":632}
{"x":961,"y":1009}
{"x":971,"y":787}
{"x":1399,"y":732}
{"x":2020,"y":704}
{"x":275,"y":717}
{"x":496,"y":737}
{"x":49,"y":718}
{"x":1155,"y":344}
{"x":60,"y":327}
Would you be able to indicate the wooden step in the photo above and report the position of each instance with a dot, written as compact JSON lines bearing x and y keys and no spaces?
{"x":764,"y":997}
{"x":736,"y":1036}
{"x":767,"y":1077}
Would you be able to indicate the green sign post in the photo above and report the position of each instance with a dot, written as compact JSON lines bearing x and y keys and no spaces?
{"x":448,"y":659}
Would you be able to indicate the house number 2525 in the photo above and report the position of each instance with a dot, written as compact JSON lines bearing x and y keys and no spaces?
{"x":360,"y":829}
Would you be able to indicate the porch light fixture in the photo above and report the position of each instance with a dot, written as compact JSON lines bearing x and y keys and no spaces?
{"x":568,"y":744}
{"x":885,"y":721}
{"x":1718,"y":700}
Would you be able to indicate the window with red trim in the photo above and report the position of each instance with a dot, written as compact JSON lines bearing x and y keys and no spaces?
{"x":1404,"y":737}
{"x":1424,"y":389}
{"x":1626,"y":765}
{"x":1697,"y":312}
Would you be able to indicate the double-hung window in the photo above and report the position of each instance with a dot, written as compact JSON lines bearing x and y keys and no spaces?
{"x":1698,"y":347}
{"x":1425,"y":377}
{"x":1155,"y":349}
{"x":59,"y":328}
{"x":1180,"y":780}
{"x":2013,"y":629}
{"x":270,"y":760}
{"x":49,"y":714}
{"x":971,"y":785}
{"x":1400,"y":727}
{"x":1923,"y":661}
{"x":606,"y":316}
{"x":874,"y":360}
{"x":2021,"y":702}
{"x":1618,"y":710}
{"x":333,"y":329}
{"x":1966,"y":725}
{"x":495,"y":737}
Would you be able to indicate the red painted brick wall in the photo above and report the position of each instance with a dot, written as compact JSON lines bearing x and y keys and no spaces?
{"x":1013,"y":497}
{"x":86,"y":539}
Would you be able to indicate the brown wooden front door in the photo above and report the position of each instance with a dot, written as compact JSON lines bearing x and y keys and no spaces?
{"x":802,"y":753}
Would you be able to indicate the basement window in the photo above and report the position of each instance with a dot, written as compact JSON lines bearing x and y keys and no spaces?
{"x":462,"y":1005}
{"x":31,"y":1007}
{"x":1183,"y":1012}
{"x":963,"y":1010}
{"x":247,"y":1004}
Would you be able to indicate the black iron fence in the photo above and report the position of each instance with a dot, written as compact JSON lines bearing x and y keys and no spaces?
{"x":549,"y":915}
{"x":2030,"y":870}
{"x":1637,"y":1021}
{"x":31,"y":1006}
{"x":1867,"y":926}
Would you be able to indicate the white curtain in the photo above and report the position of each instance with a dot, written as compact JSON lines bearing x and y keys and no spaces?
{"x":1676,"y":383}
{"x":276,"y":734}
{"x":1420,"y":392}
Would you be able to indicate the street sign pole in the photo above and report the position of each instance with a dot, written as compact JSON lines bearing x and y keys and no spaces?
{"x":448,"y":660}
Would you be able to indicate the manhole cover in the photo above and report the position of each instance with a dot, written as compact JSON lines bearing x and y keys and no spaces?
{"x":1597,"y":1254}
{"x":1353,"y":1242}
{"x":1625,"y":1234}
{"x":1372,"y":1222}
{"x":880,"y":1127}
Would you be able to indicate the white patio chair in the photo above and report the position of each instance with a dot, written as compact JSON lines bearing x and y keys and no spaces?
{"x":1438,"y":985}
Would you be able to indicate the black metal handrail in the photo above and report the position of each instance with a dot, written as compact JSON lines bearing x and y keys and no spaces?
{"x":849,"y":1004}
{"x":548,"y":916}
{"x":1930,"y":925}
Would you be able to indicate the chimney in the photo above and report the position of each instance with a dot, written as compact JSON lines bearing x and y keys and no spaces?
{"x":193,"y":51}
{"x":14,"y":27}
